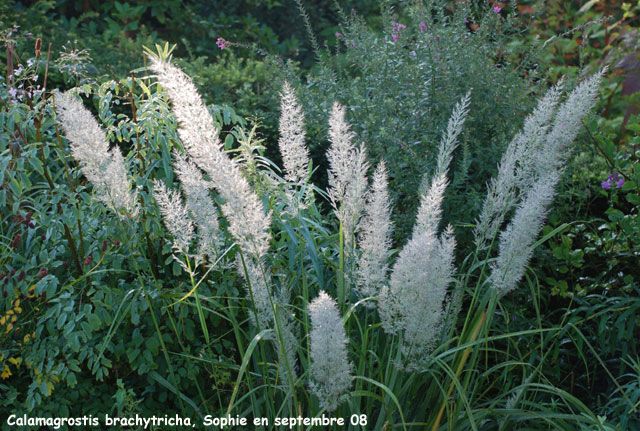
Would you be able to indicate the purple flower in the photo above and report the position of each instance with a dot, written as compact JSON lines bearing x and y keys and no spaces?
{"x":353,"y":44}
{"x":423,"y":27}
{"x":436,"y":37}
{"x":395,"y":37}
{"x":497,"y":9}
{"x":397,"y":26}
{"x":614,"y":179}
{"x":13,"y":92}
{"x":338,"y":34}
{"x":222,"y":44}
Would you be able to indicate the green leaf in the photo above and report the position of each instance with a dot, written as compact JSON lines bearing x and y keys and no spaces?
{"x":94,"y":322}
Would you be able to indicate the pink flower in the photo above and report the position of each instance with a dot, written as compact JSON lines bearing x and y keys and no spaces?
{"x":397,"y":26}
{"x":497,"y":9}
{"x":222,"y":44}
{"x":423,"y":27}
{"x":395,"y":37}
{"x":338,"y":34}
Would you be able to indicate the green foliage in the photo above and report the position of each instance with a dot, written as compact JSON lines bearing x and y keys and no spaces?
{"x":233,"y":78}
{"x":79,"y":287}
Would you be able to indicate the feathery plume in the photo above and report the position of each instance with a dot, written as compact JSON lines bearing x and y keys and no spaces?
{"x":330,"y":367}
{"x":530,"y":140}
{"x":200,"y":205}
{"x":542,"y":147}
{"x":516,"y":241}
{"x":243,"y":209}
{"x":449,"y":140}
{"x":568,"y":122}
{"x":347,"y":173}
{"x":375,"y":238}
{"x":103,"y":167}
{"x":295,"y":155}
{"x":248,"y":222}
{"x":430,"y":209}
{"x":414,"y":301}
{"x":175,"y":216}
{"x":518,"y":169}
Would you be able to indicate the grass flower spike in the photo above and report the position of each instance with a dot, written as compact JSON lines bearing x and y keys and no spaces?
{"x":175,"y":216}
{"x":330,"y":368}
{"x":375,"y":238}
{"x":516,"y":241}
{"x":200,"y":206}
{"x":248,"y":222}
{"x":540,"y":150}
{"x":295,"y":155}
{"x":103,"y":167}
{"x":347,"y":174}
{"x":413,"y":303}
